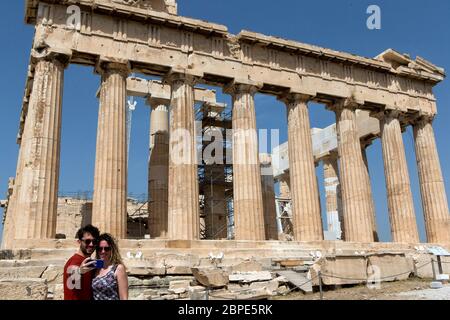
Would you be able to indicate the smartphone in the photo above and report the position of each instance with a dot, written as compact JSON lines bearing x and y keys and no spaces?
{"x":99,"y":264}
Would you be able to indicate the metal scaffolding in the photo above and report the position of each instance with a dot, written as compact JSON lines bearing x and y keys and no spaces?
{"x":215,"y":173}
{"x":284,"y":218}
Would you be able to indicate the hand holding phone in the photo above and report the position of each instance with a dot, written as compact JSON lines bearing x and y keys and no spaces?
{"x":87,"y":265}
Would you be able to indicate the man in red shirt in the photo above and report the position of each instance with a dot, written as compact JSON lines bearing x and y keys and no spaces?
{"x":79,"y":269}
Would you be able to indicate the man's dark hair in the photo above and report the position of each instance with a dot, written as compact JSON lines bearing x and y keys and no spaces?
{"x":88,"y":229}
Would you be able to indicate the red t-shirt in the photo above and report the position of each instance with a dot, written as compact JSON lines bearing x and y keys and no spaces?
{"x":74,"y":287}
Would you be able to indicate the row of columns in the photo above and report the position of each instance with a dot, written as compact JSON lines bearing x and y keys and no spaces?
{"x":358,"y":216}
{"x":35,"y":194}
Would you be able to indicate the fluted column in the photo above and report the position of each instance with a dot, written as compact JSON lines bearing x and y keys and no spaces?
{"x":364,"y":146}
{"x":285,"y":187}
{"x":398,"y":186}
{"x":306,"y":215}
{"x":158,"y":169}
{"x":353,"y":174}
{"x":434,"y":197}
{"x":248,"y":204}
{"x":268,"y":191}
{"x":183,"y":210}
{"x":335,"y":218}
{"x":109,"y":212}
{"x":9,"y":227}
{"x":34,"y":211}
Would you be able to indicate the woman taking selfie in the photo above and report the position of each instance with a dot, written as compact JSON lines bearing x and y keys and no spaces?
{"x":111,"y":281}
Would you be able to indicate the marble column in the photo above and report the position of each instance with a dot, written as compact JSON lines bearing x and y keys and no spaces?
{"x":335,"y":218}
{"x":285,"y":187}
{"x":364,"y":146}
{"x":9,"y":221}
{"x":248,"y":204}
{"x":398,"y":186}
{"x":434,"y":197}
{"x":34,"y":212}
{"x":306,"y":215}
{"x":183,"y":208}
{"x":356,"y":203}
{"x":109,"y":211}
{"x":268,"y":191}
{"x":158,"y":166}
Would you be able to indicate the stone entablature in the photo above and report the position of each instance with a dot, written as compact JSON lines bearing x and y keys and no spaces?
{"x":157,"y":43}
{"x":164,"y":6}
{"x":138,"y":87}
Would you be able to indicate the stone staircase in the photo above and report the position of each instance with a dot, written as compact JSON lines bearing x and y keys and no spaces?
{"x":37,"y":274}
{"x":166,"y":270}
{"x":31,"y":279}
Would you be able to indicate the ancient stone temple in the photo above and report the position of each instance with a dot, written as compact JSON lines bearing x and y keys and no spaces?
{"x":118,"y":38}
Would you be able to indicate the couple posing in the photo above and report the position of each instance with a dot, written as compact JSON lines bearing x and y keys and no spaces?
{"x":103,"y":278}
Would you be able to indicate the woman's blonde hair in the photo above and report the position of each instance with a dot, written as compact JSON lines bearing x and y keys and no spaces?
{"x":116,"y":258}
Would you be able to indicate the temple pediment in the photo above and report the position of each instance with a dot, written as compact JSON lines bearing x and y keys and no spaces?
{"x":398,"y":60}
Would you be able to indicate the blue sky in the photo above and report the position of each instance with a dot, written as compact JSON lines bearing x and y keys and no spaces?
{"x":414,"y":27}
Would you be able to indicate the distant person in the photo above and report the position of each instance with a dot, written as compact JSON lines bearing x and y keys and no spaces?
{"x":79,"y":269}
{"x":111,"y":281}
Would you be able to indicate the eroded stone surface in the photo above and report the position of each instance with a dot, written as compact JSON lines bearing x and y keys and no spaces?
{"x":23,"y":289}
{"x":211,"y":277}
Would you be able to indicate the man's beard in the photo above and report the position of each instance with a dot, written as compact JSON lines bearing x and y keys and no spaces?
{"x":85,"y":251}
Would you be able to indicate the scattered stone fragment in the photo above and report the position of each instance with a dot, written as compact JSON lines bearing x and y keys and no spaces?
{"x":211,"y":277}
{"x":250,"y":276}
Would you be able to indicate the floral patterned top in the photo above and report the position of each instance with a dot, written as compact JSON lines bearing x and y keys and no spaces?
{"x":106,"y":287}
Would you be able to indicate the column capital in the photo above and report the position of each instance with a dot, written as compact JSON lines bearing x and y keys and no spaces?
{"x":106,"y":65}
{"x":387,"y":114}
{"x":365,"y":144}
{"x":423,"y":119}
{"x":331,"y":156}
{"x":61,"y":56}
{"x":344,"y":103}
{"x":284,"y":176}
{"x":265,"y":159}
{"x":237,"y":88}
{"x":175,"y":76}
{"x":156,"y":103}
{"x":289,"y":98}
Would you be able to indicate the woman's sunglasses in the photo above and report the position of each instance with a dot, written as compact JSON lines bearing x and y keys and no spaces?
{"x":106,"y":249}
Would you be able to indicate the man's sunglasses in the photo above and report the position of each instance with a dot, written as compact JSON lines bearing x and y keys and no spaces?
{"x":89,"y":241}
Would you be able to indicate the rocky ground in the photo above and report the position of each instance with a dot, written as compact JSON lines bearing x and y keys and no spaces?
{"x":412,"y":289}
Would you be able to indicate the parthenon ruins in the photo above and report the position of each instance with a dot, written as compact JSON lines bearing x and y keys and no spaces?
{"x":227,"y":205}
